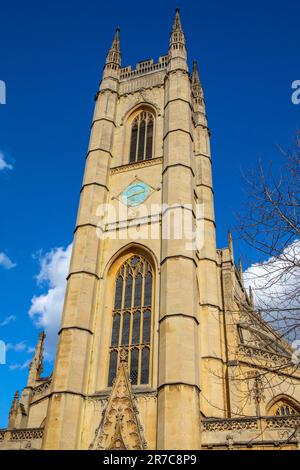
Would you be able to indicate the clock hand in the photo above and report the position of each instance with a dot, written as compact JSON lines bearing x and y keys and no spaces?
{"x":136,"y":193}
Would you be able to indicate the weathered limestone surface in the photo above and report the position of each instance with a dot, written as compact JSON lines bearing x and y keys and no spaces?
{"x":214,"y":378}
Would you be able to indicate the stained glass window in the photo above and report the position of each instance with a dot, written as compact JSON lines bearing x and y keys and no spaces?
{"x":141,"y":143}
{"x":136,"y":327}
{"x":132,"y":319}
{"x":138,"y":290}
{"x":128,"y":291}
{"x":134,"y":135}
{"x":140,"y":155}
{"x":112,"y":367}
{"x":149,"y":142}
{"x":134,"y":366}
{"x":145,"y":366}
{"x":148,"y":289}
{"x":115,"y":332}
{"x":118,"y":298}
{"x":146,"y":326}
{"x":126,"y":329}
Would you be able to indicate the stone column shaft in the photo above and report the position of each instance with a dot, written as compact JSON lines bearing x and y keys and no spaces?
{"x":178,"y":394}
{"x":70,"y":379}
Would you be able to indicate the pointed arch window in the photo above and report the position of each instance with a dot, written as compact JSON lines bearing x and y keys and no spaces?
{"x":141,"y":141}
{"x":132,"y":324}
{"x":283,"y":407}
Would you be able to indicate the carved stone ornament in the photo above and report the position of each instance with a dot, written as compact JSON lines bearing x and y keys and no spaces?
{"x":120,"y":428}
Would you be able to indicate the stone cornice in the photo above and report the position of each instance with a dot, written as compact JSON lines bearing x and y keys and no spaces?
{"x":75,"y":327}
{"x":99,"y":149}
{"x":136,"y":166}
{"x":103,"y":119}
{"x":178,"y":130}
{"x":176,"y":384}
{"x":89,"y":273}
{"x":85,"y":225}
{"x":94,"y":183}
{"x":171,"y":315}
{"x":176,"y":257}
{"x":174,"y":165}
{"x":178,"y":99}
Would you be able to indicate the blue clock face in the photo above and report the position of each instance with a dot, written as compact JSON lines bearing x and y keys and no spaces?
{"x":135,"y":193}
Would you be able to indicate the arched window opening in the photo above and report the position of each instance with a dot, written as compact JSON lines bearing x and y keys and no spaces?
{"x":132,"y":319}
{"x":283,"y":407}
{"x":141,"y":142}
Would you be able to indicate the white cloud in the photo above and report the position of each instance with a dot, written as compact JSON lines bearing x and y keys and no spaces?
{"x":5,"y":262}
{"x":3,"y":164}
{"x":18,"y":347}
{"x":7,"y":320}
{"x":276,"y":286}
{"x":46,"y":309}
{"x":21,"y":366}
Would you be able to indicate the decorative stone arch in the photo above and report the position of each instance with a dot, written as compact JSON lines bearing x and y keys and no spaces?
{"x":133,"y":110}
{"x":127,"y":121}
{"x":283,"y":405}
{"x":132,"y":247}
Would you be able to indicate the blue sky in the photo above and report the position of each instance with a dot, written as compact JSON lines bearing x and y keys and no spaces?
{"x":52,"y":56}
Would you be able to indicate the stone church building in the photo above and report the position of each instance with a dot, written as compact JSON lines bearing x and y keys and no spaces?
{"x":160,"y":346}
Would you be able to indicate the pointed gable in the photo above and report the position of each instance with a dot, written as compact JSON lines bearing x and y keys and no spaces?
{"x":120,"y":428}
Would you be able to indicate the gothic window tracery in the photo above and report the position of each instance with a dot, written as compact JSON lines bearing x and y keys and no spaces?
{"x":132,"y":319}
{"x":141,"y":141}
{"x":283,"y":408}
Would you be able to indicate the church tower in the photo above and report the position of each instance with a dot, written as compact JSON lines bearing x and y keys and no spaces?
{"x":137,"y":286}
{"x":160,"y":346}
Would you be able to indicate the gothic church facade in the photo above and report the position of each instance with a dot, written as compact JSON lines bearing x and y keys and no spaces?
{"x":160,"y":346}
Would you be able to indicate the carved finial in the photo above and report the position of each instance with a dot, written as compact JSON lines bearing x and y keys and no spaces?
{"x":42,"y":336}
{"x":196,"y":85}
{"x":13,"y":412}
{"x":195,"y":74}
{"x":240,"y":268}
{"x":114,"y":54}
{"x":15,"y":401}
{"x":230,"y":243}
{"x":36,"y":365}
{"x":116,"y":40}
{"x":123,"y":355}
{"x":251,"y":297}
{"x":177,"y":38}
{"x":177,"y":21}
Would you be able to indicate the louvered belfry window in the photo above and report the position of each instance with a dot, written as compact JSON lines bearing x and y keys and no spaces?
{"x":141,"y":142}
{"x":132,"y":319}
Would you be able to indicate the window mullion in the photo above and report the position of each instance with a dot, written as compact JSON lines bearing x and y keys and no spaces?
{"x":137,"y":140}
{"x":139,"y":365}
{"x":151,"y":331}
{"x":131,"y":310}
{"x":145,"y":140}
{"x":122,"y":311}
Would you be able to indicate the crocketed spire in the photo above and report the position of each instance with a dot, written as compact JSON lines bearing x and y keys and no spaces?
{"x":177,"y":21}
{"x":196,"y":85}
{"x":114,"y":54}
{"x":177,"y":38}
